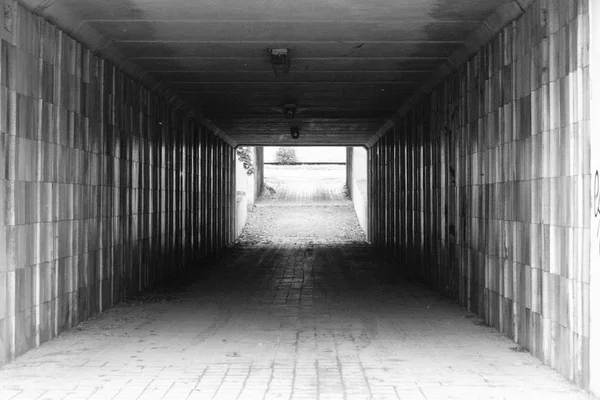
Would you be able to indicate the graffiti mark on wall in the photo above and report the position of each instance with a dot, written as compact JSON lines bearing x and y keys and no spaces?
{"x":9,"y":14}
{"x":596,"y":206}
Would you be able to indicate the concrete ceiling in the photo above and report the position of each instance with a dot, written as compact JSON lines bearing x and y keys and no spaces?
{"x":354,"y":63}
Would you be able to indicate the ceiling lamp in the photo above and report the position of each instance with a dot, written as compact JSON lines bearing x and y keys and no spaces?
{"x":280,"y":60}
{"x":289,"y":110}
{"x":295,"y":131}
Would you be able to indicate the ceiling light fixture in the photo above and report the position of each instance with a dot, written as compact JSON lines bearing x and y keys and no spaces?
{"x":280,"y":60}
{"x":295,"y":131}
{"x":289,"y":110}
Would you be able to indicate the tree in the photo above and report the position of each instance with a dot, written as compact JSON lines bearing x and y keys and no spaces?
{"x":286,"y":155}
{"x":245,"y":156}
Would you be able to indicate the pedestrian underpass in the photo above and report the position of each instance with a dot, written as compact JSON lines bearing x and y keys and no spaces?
{"x":470,"y":170}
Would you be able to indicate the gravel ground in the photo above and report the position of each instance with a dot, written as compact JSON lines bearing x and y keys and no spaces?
{"x":297,"y":224}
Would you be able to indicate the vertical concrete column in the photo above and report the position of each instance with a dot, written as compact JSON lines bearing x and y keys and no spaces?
{"x":349,"y":178}
{"x":358,"y":187}
{"x":259,"y":170}
{"x":593,"y":293}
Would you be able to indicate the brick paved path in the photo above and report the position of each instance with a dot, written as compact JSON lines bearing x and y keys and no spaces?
{"x":285,"y":317}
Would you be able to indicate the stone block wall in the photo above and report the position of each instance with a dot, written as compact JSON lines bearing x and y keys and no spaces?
{"x":105,"y":187}
{"x":482,"y":189}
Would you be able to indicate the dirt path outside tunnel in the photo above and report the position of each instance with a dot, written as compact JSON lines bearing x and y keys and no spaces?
{"x":299,"y":311}
{"x":303,"y":204}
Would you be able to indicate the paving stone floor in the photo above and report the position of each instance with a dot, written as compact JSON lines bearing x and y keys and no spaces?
{"x":285,"y":317}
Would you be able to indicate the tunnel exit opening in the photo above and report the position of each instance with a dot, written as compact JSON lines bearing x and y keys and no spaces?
{"x":303,"y":195}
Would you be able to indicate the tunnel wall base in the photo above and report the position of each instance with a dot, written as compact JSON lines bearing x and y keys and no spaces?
{"x":482,"y":189}
{"x":105,"y":187}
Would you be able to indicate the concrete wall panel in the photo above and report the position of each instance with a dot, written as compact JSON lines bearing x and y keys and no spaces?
{"x":356,"y":183}
{"x":106,"y":188}
{"x":591,"y":294}
{"x":259,"y":170}
{"x":491,"y":202}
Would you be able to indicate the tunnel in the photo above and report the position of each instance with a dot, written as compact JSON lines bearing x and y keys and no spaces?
{"x":472,"y":158}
